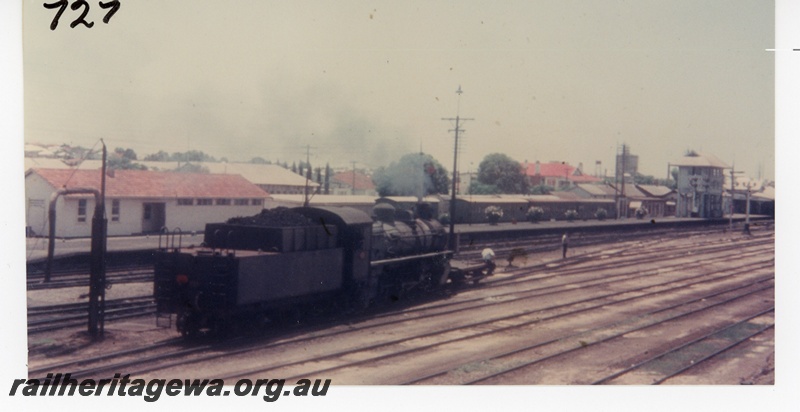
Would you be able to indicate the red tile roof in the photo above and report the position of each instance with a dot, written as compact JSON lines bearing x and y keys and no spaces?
{"x":560,"y":170}
{"x":141,"y":183}
{"x":363,"y":182}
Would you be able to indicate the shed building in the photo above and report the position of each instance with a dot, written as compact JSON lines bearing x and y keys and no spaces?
{"x":138,"y":201}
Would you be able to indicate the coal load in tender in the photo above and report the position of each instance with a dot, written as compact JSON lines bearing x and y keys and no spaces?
{"x":279,"y":217}
{"x":272,"y":230}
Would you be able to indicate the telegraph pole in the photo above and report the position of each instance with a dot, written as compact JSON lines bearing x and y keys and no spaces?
{"x":353,"y":188}
{"x":733,"y":179}
{"x":746,"y":230}
{"x":308,"y":165}
{"x":730,"y":220}
{"x":458,"y":119}
{"x":97,"y":267}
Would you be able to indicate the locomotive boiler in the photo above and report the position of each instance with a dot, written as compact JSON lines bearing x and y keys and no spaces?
{"x":284,"y":258}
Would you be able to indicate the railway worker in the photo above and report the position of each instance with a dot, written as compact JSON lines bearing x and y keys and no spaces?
{"x":564,"y":245}
{"x":488,"y":259}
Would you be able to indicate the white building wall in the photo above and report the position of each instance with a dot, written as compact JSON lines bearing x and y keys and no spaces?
{"x":194,"y":218}
{"x":131,"y":211}
{"x":37,"y":197}
{"x":38,"y":193}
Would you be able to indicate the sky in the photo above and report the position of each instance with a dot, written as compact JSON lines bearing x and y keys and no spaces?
{"x":369,"y":81}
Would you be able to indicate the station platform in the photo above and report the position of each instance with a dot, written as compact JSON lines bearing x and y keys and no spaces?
{"x":36,"y":248}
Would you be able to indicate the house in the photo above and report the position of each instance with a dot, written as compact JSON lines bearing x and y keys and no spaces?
{"x":700,"y":186}
{"x":138,"y":201}
{"x":352,"y":183}
{"x":558,"y":175}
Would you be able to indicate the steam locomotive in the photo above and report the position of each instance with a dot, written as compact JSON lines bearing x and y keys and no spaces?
{"x":249,"y":267}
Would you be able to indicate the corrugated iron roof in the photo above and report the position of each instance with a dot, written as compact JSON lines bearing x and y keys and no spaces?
{"x":701,"y":160}
{"x":148,"y":184}
{"x":261,"y":174}
{"x":655,"y":190}
{"x":597,"y":190}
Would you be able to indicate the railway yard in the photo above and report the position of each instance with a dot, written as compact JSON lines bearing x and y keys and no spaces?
{"x":691,"y":305}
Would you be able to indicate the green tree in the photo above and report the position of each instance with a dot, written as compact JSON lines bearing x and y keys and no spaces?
{"x":123,"y":163}
{"x":478,"y":188}
{"x":191,"y":168}
{"x":192,"y":156}
{"x":161,"y":156}
{"x":125,"y":153}
{"x":122,"y":159}
{"x":641,"y":179}
{"x":504,"y":173}
{"x":327,"y":178}
{"x":541,"y":190}
{"x":415,"y":174}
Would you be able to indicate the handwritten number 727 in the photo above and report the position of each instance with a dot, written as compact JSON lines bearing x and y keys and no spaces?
{"x":61,"y":5}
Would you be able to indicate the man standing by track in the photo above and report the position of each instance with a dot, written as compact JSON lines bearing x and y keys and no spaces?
{"x":564,"y":245}
{"x":488,"y":258}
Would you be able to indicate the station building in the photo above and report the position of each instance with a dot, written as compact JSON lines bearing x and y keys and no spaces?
{"x":137,"y":201}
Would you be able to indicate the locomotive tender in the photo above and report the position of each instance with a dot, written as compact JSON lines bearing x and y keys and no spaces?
{"x":256,"y":266}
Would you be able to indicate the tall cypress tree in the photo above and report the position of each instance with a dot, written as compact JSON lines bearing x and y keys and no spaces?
{"x":327,"y":178}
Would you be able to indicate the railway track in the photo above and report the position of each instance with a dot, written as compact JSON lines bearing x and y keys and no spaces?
{"x":62,"y":316}
{"x":547,"y":243}
{"x":80,"y":277}
{"x":560,"y":290}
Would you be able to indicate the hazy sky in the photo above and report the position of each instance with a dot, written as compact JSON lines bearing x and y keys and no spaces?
{"x":368,"y":81}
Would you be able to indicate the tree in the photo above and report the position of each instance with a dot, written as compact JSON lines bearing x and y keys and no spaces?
{"x":415,"y":174}
{"x":161,"y":156}
{"x":504,"y":173}
{"x":122,"y":159}
{"x":327,"y":178}
{"x":191,"y":168}
{"x":259,"y":160}
{"x":125,"y":153}
{"x":478,"y":188}
{"x":541,"y":190}
{"x":641,"y":179}
{"x":123,"y":163}
{"x":188,"y":156}
{"x":192,"y":156}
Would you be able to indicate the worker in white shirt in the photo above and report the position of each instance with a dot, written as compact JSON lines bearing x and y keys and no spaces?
{"x":488,"y":258}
